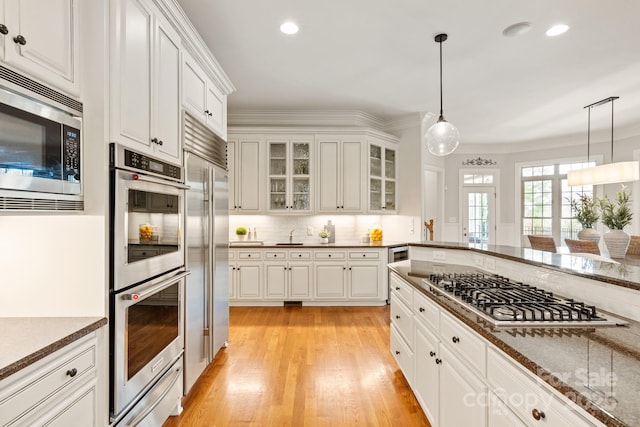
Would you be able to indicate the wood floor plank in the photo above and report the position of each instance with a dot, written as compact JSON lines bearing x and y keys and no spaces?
{"x":303,"y":366}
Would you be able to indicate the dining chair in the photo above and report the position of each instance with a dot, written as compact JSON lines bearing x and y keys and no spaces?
{"x":542,"y":243}
{"x":634,"y":246}
{"x":583,"y":246}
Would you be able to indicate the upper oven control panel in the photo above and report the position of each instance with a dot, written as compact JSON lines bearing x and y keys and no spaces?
{"x":124,"y":158}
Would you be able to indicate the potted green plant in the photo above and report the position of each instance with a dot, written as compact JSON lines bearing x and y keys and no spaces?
{"x":616,"y":214}
{"x":585,"y":209}
{"x":324,"y":235}
{"x":241,"y":233}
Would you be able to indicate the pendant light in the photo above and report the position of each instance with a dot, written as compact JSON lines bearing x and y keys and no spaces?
{"x":443,"y":137}
{"x":604,"y":174}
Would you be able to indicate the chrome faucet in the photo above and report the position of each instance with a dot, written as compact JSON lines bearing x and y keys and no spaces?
{"x":291,"y":235}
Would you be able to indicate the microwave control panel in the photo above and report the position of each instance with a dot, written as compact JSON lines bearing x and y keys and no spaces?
{"x":71,"y":154}
{"x":148,"y":164}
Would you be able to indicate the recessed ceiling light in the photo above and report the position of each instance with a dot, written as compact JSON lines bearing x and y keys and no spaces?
{"x":556,"y":30}
{"x":517,"y":29}
{"x":289,"y":28}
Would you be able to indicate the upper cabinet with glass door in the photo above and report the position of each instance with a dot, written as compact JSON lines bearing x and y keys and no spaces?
{"x":382,"y":178}
{"x":289,"y":168}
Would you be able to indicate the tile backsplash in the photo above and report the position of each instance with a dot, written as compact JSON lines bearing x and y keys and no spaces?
{"x":349,"y":228}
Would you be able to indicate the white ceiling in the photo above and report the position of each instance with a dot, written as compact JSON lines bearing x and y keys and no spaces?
{"x":379,"y":56}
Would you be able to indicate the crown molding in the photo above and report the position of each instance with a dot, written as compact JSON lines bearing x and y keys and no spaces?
{"x":193,"y":42}
{"x":275,"y":117}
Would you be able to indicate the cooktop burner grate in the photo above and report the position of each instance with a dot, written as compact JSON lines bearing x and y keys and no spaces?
{"x":505,"y":302}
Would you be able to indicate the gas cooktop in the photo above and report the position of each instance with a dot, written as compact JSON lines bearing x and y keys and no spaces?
{"x":503,"y":302}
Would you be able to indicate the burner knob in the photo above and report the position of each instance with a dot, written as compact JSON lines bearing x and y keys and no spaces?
{"x":537,"y":415}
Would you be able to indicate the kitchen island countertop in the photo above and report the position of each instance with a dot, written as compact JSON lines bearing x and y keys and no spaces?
{"x":25,"y":340}
{"x":337,"y":245}
{"x":562,"y":357}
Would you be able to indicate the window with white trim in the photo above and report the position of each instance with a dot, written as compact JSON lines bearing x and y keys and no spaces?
{"x":546,"y":200}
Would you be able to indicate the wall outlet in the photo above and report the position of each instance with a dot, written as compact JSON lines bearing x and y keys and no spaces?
{"x":309,"y":231}
{"x":439,"y":255}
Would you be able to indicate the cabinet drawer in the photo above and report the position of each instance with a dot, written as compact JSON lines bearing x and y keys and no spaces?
{"x":33,"y":385}
{"x":275,"y":255}
{"x":509,"y":380}
{"x":402,"y":318}
{"x":426,"y":311}
{"x":330,"y":255}
{"x":249,"y":255}
{"x":464,"y":342}
{"x":364,"y":255}
{"x":403,"y":354}
{"x":137,"y":254}
{"x":402,"y":289}
{"x":293,"y":255}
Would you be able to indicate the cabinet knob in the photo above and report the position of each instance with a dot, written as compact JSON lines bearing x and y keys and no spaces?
{"x":455,"y":340}
{"x":384,"y":207}
{"x":341,"y":207}
{"x":299,"y":255}
{"x":438,"y":361}
{"x":160,"y":142}
{"x":329,"y":255}
{"x":364,"y":255}
{"x":421,"y":309}
{"x":537,"y":415}
{"x":397,"y":288}
{"x":397,"y":352}
{"x":72,"y":372}
{"x":3,"y":29}
{"x":289,"y":268}
{"x":432,"y":353}
{"x":20,"y":40}
{"x":285,"y":269}
{"x":397,"y":317}
{"x":154,"y":140}
{"x":344,"y":268}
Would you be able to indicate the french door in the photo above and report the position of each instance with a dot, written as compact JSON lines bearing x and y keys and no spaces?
{"x":478,"y":215}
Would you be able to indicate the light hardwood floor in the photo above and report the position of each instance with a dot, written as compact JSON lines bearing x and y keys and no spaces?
{"x":303,"y":366}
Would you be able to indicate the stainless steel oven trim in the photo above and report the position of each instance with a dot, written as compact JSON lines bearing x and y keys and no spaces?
{"x":126,"y":274}
{"x":125,"y":392}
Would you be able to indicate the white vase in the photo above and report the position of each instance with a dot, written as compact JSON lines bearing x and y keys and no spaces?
{"x":589,"y":234}
{"x":324,"y":240}
{"x":241,"y":236}
{"x":617,"y":242}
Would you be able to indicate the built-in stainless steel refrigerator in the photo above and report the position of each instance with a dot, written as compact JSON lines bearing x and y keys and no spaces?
{"x":207,"y":250}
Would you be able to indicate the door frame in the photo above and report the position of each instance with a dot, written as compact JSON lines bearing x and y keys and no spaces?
{"x":462,"y":201}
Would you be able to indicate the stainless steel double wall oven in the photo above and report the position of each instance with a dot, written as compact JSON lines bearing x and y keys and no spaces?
{"x":146,"y":287}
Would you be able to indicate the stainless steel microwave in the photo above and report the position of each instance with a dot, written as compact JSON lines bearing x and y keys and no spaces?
{"x":40,"y":154}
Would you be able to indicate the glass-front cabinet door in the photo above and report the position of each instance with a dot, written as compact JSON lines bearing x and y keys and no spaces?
{"x":290,"y":176}
{"x":382,"y":178}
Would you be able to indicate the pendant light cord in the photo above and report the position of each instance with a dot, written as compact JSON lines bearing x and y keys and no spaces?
{"x":440,"y":42}
{"x":588,"y":132}
{"x":612,"y":99}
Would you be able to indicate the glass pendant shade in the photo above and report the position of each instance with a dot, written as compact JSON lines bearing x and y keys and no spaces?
{"x":442,"y":138}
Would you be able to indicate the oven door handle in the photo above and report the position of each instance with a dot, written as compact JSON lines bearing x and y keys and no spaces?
{"x":138,"y":296}
{"x":145,"y":178}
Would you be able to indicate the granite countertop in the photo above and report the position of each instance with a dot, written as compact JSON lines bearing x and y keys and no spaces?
{"x":565,"y":358}
{"x":338,"y":245}
{"x":622,"y":272}
{"x":25,"y":340}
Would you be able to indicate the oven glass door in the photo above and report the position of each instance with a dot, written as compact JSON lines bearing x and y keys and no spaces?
{"x":148,"y":237}
{"x":39,"y":146}
{"x":147,"y":335}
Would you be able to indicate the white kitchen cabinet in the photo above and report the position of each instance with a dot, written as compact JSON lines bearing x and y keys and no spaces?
{"x":402,"y":353}
{"x":330,"y":280}
{"x":340,"y":175}
{"x":500,"y":415}
{"x":145,"y":80}
{"x":382,"y":178}
{"x":289,"y":170}
{"x":365,"y":275}
{"x":40,"y":37}
{"x":245,"y":280}
{"x":464,"y":394}
{"x":426,"y":374}
{"x":63,"y":389}
{"x":202,"y":98}
{"x":243,"y":161}
{"x":287,"y":281}
{"x":540,"y":404}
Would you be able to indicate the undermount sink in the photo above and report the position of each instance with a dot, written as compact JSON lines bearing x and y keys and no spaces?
{"x":289,"y":244}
